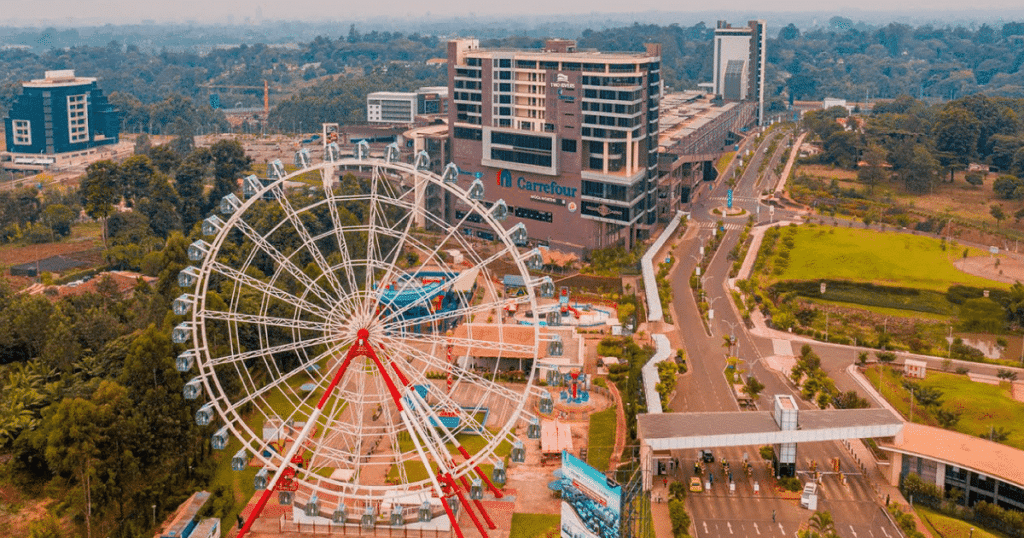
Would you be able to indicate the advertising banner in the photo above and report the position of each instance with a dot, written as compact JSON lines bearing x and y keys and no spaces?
{"x":591,"y":503}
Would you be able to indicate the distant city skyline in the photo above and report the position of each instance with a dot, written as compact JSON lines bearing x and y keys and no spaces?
{"x":92,"y":12}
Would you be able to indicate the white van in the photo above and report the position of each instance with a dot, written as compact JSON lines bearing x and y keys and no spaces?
{"x":809,"y":497}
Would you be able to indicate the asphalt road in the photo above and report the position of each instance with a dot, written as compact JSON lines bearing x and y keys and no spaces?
{"x":721,"y":512}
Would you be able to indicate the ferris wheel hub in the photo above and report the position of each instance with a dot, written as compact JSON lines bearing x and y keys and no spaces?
{"x":363,"y":334}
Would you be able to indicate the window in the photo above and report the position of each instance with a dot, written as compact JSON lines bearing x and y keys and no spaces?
{"x":468,"y":134}
{"x":569,"y":145}
{"x":78,"y":119}
{"x":470,"y":217}
{"x":22,"y":132}
{"x":533,"y":214}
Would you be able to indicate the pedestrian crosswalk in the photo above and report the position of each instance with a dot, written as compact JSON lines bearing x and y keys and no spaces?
{"x":735,"y":199}
{"x":727,"y":226}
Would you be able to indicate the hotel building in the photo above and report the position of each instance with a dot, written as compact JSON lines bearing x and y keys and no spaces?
{"x":567,"y":138}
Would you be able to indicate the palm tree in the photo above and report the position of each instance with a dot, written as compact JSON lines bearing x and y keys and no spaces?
{"x":823,"y":523}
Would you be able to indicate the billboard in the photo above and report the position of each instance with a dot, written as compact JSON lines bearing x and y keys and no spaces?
{"x":591,"y":502}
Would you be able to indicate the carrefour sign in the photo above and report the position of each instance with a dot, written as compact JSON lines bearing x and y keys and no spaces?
{"x":546,"y":187}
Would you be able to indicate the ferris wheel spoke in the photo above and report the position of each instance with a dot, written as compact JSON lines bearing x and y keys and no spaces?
{"x":467,"y":375}
{"x":372,"y":252}
{"x":391,"y":259}
{"x":338,"y":226}
{"x":463,"y":312}
{"x":263,"y":352}
{"x":273,"y":348}
{"x":311,"y":246}
{"x":398,"y":313}
{"x":284,"y":261}
{"x":268,"y":289}
{"x":470,"y":346}
{"x":263,"y":320}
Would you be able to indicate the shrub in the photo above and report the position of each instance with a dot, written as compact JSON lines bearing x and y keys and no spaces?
{"x":679,"y":518}
{"x":791,"y":483}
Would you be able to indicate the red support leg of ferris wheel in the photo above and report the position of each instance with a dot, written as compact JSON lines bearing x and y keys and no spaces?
{"x":361,"y":347}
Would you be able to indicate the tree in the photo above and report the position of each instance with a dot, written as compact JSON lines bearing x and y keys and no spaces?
{"x":872,"y":172}
{"x":997,"y":213}
{"x":850,"y":400}
{"x":956,"y":132}
{"x":58,"y":217}
{"x":161,"y":207}
{"x":948,"y":418}
{"x":77,"y":435}
{"x":842,"y":148}
{"x":229,"y":161}
{"x":164,"y":158}
{"x":916,"y":167}
{"x":885,"y":357}
{"x":1008,"y":187}
{"x":1008,"y":375}
{"x":134,"y":177}
{"x":822,"y":522}
{"x":753,"y":388}
{"x":789,"y":32}
{"x":928,"y":396}
{"x":997,"y":434}
{"x":189,"y":179}
{"x":99,"y":192}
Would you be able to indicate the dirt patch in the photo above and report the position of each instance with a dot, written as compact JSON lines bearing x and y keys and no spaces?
{"x":1009,"y":270}
{"x":17,"y":512}
{"x":14,"y":255}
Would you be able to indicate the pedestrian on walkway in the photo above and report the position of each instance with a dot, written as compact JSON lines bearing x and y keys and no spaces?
{"x":773,"y":516}
{"x":886,"y":500}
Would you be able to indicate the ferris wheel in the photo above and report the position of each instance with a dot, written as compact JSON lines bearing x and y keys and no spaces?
{"x":351,"y":339}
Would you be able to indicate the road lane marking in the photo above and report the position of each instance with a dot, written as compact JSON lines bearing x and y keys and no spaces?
{"x":853,"y":531}
{"x":706,"y":528}
{"x":885,"y":532}
{"x":729,"y":523}
{"x":757,"y":529}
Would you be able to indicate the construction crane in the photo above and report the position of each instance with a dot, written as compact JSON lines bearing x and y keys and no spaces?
{"x":265,"y":88}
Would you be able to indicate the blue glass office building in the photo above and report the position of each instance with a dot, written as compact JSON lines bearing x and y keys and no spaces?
{"x":61,"y":113}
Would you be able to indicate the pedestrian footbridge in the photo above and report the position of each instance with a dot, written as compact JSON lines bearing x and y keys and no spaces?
{"x":784,"y":427}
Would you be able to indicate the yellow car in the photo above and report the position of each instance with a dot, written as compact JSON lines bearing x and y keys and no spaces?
{"x":695,"y":484}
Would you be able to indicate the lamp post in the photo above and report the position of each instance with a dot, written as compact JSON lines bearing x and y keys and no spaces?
{"x":711,"y":309}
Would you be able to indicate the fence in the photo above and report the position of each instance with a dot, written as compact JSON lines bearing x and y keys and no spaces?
{"x":379,"y":531}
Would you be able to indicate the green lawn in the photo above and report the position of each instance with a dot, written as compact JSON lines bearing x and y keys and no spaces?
{"x":724,"y":160}
{"x":983,"y":406}
{"x":946,"y":527}
{"x":535,"y":525}
{"x":885,"y":258}
{"x":601,"y":441}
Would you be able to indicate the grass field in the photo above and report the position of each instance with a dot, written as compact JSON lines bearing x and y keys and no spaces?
{"x":946,"y":527}
{"x":882,"y":258}
{"x":983,"y":406}
{"x":601,"y":441}
{"x":535,"y":525}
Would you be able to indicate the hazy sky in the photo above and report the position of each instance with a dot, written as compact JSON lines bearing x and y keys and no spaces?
{"x":88,"y":12}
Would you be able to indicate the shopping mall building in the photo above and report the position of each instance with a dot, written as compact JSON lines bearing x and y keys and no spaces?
{"x":567,"y":138}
